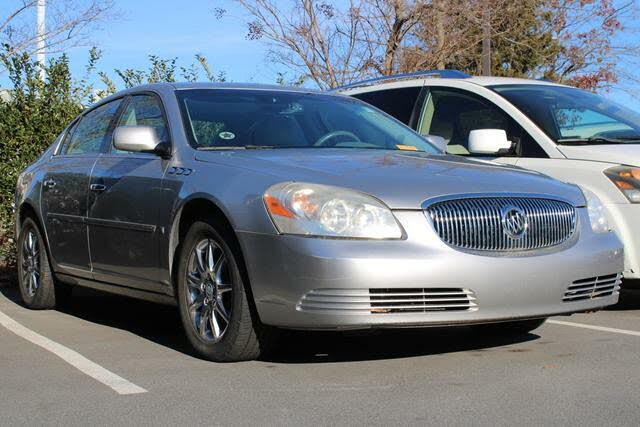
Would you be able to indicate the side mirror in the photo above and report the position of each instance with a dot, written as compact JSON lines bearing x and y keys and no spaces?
{"x":139,"y":139}
{"x":438,"y":141}
{"x":489,"y":141}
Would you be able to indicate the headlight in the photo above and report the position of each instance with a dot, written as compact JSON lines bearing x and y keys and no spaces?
{"x":627,"y":179}
{"x":597,"y":217}
{"x":321,"y":210}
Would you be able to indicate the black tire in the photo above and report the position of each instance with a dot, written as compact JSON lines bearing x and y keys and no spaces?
{"x":245,"y":337}
{"x":48,"y":293}
{"x":518,"y":327}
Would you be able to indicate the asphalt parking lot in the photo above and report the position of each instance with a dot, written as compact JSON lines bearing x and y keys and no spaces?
{"x":562,"y":374}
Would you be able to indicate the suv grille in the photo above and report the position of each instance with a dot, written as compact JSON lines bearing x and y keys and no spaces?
{"x":503,"y":224}
{"x":594,"y":287}
{"x":389,"y":300}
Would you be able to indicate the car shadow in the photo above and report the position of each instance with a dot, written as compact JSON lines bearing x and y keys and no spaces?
{"x":333,"y":347}
{"x":629,"y":300}
{"x":161,"y":324}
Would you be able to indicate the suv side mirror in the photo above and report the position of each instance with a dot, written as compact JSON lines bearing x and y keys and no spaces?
{"x":489,"y":141}
{"x":438,"y":141}
{"x":139,"y":139}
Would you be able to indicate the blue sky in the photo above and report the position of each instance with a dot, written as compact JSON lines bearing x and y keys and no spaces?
{"x":179,"y":29}
{"x":183,"y":29}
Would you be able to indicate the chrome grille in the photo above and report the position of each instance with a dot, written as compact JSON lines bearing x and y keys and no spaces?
{"x":388,"y":300}
{"x":594,"y":287}
{"x":479,"y":223}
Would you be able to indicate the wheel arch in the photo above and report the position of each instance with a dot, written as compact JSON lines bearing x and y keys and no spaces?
{"x":27,"y":209}
{"x":198,"y":207}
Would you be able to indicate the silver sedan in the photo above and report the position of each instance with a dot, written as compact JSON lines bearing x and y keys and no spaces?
{"x":255,"y":208}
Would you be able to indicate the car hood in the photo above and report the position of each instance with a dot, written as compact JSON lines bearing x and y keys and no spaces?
{"x":626,"y":154}
{"x":403,"y":180}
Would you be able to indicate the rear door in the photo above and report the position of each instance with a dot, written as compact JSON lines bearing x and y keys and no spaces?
{"x":65,"y":188}
{"x":125,"y":202}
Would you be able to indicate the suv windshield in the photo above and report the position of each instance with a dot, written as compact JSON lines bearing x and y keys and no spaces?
{"x":245,"y":119}
{"x":574,"y":116}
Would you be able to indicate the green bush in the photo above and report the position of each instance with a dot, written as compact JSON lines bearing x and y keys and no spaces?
{"x":32,"y":114}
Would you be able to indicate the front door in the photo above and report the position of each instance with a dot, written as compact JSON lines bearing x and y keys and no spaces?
{"x":65,"y":188}
{"x":125,"y":201}
{"x":453,"y":113}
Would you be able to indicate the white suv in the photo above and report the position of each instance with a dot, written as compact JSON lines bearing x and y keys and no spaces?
{"x":570,"y":134}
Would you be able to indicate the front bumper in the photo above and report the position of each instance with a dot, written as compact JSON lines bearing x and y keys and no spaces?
{"x":625,"y":219}
{"x":338,"y":276}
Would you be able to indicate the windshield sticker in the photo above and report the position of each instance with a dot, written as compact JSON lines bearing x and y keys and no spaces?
{"x":227,"y":135}
{"x":406,"y":147}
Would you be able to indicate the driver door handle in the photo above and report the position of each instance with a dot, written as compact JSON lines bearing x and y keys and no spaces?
{"x":97,"y":187}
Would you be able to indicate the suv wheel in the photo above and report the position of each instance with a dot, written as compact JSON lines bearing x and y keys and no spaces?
{"x":216,"y":312}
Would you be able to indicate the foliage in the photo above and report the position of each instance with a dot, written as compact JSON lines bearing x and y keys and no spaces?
{"x":571,"y":41}
{"x":31,"y":118}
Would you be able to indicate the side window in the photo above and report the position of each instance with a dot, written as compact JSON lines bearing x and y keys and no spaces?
{"x":67,"y":137}
{"x":452,"y":114}
{"x":398,"y":103}
{"x":144,"y":110}
{"x":89,"y":134}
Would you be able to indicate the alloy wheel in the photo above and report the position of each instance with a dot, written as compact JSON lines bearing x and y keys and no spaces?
{"x":209,"y":290}
{"x":31,"y":263}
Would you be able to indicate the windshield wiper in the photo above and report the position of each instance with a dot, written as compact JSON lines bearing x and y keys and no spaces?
{"x":239,"y":147}
{"x":598,"y":140}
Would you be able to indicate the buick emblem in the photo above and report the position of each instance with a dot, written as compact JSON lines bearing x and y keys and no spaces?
{"x":514,"y":222}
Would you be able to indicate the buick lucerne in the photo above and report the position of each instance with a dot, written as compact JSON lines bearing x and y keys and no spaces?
{"x":255,"y":208}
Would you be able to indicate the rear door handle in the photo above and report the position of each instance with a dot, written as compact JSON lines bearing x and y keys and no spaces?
{"x":49,"y":183}
{"x":97,"y":187}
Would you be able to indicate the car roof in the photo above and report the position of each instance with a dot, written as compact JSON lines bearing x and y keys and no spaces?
{"x":418,"y":79}
{"x":177,"y":86}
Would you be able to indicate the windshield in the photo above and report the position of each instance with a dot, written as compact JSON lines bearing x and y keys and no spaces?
{"x":246,"y":119}
{"x":571,"y":115}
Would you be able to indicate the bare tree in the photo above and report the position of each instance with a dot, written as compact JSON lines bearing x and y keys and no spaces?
{"x":592,"y":52}
{"x":332,"y":45}
{"x":69,"y":23}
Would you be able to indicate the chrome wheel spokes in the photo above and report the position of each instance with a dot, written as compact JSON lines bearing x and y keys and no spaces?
{"x":209,"y":290}
{"x":30,"y":264}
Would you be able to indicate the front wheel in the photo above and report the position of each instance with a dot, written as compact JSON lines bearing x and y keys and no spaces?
{"x":215,"y":309}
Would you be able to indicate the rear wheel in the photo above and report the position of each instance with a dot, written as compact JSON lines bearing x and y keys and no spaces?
{"x":515,"y":327}
{"x":215,"y":308}
{"x":38,"y":288}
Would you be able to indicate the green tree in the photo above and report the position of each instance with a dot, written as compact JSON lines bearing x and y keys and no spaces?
{"x":32,"y":114}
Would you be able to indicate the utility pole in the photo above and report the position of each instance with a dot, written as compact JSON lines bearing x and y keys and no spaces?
{"x":41,"y":38}
{"x":486,"y":39}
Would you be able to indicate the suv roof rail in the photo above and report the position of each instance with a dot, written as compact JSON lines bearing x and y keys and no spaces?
{"x":443,"y":74}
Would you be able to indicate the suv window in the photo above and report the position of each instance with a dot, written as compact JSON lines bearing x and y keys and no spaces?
{"x":144,"y":110}
{"x":398,"y":103}
{"x":90,"y":133}
{"x":452,"y":114}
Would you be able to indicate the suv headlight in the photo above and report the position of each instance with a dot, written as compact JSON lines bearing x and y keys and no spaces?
{"x":326,"y":211}
{"x":627,"y":179}
{"x":597,"y":217}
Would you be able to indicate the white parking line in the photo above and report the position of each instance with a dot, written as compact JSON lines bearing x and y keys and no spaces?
{"x":595,"y":328}
{"x":75,"y":359}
